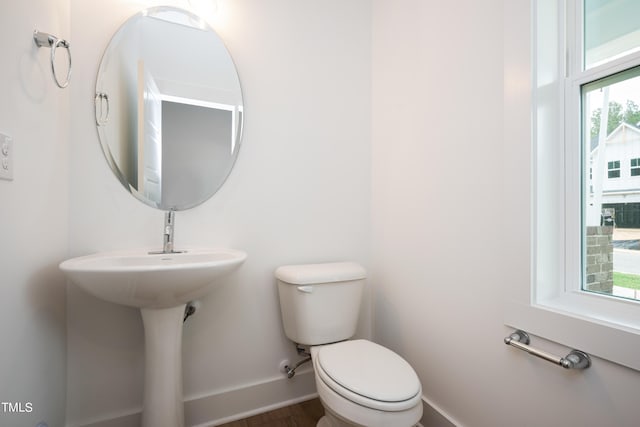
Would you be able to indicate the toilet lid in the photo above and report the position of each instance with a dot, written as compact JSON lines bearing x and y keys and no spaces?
{"x":369,"y":370}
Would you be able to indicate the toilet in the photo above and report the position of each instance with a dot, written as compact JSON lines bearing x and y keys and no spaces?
{"x":360,"y":383}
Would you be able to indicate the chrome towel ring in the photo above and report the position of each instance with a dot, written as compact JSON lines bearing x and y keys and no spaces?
{"x":47,"y":40}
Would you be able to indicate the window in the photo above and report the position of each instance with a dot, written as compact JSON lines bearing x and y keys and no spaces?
{"x":585,"y":54}
{"x":635,"y":167}
{"x":609,"y":98}
{"x":613,"y":169}
{"x":610,"y":30}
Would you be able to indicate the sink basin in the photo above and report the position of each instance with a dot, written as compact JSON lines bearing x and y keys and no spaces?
{"x":160,"y":285}
{"x":139,"y":279}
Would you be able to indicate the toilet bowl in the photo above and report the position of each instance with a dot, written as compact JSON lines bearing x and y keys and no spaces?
{"x":359,"y":383}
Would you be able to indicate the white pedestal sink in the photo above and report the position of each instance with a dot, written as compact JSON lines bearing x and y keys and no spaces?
{"x":160,"y":285}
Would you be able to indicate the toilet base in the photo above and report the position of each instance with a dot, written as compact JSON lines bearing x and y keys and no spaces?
{"x":353,"y":415}
{"x":326,"y":422}
{"x":332,"y":420}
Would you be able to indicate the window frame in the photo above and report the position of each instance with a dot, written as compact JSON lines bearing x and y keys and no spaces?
{"x":614,"y":169}
{"x":635,"y":168}
{"x":553,"y":305}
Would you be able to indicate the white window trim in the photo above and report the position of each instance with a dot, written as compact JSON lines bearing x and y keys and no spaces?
{"x":614,"y":168}
{"x":634,"y":168}
{"x":555,"y":307}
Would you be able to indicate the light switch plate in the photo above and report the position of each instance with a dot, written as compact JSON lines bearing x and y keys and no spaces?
{"x":6,"y":157}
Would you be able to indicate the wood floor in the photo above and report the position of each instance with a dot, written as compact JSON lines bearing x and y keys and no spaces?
{"x":303,"y":414}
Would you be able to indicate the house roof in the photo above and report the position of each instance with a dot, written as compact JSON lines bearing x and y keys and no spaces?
{"x":622,"y":127}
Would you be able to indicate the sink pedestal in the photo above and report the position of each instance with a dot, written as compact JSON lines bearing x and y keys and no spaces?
{"x":160,"y":285}
{"x":163,"y":405}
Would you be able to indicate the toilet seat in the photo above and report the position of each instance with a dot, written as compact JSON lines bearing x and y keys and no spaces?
{"x":369,"y":375}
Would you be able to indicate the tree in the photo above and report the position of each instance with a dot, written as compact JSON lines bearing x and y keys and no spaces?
{"x":631,"y":113}
{"x":615,"y":118}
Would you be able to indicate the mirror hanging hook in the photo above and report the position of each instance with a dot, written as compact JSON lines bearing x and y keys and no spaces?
{"x":47,"y":40}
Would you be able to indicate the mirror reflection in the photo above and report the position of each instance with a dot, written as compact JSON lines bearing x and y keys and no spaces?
{"x":169,"y":108}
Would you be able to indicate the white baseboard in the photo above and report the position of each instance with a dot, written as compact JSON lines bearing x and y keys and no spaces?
{"x":434,"y":416}
{"x":230,"y":405}
{"x":252,"y":399}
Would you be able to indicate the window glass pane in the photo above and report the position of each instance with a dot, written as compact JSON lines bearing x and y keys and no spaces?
{"x":611,"y":29}
{"x":611,"y":195}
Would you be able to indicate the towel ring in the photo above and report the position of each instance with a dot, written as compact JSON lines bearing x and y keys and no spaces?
{"x":47,"y":40}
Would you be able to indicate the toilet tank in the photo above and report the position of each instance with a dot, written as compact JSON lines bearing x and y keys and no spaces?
{"x":320,"y":303}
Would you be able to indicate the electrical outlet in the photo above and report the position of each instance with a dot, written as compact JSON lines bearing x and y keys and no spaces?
{"x":6,"y":157}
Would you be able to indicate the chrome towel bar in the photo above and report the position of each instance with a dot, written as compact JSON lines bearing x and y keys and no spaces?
{"x":576,"y":359}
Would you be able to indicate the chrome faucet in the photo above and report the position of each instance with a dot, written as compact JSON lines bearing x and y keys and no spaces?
{"x":167,"y":235}
{"x":167,"y":240}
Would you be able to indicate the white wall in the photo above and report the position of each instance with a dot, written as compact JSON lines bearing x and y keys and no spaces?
{"x":33,"y":216}
{"x":300,"y":192}
{"x":446,"y":256}
{"x":440,"y":267}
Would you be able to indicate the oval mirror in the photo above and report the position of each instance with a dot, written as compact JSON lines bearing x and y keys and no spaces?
{"x":169,"y":108}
